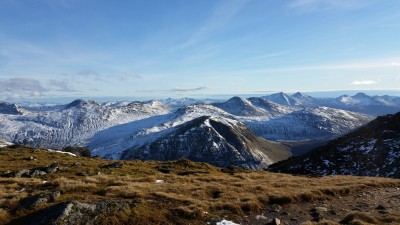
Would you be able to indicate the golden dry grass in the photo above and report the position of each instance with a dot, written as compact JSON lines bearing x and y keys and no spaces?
{"x":178,"y":199}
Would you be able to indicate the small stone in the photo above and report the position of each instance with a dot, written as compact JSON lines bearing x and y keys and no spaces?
{"x":76,"y":164}
{"x":320,"y":209}
{"x":54,"y":195}
{"x":275,"y":208}
{"x":275,"y":221}
{"x":38,"y":173}
{"x":39,"y":201}
{"x":380,"y":207}
{"x":285,"y":213}
{"x":261,"y":217}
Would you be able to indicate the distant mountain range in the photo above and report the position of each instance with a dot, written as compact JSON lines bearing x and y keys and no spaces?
{"x":360,"y":102}
{"x":132,"y":129}
{"x":372,"y":150}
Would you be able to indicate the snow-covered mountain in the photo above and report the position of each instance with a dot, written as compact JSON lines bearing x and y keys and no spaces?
{"x":279,"y":122}
{"x":73,"y":124}
{"x":296,"y":99}
{"x":243,"y":107}
{"x":12,"y":109}
{"x":360,"y":102}
{"x":215,"y":140}
{"x":112,"y":141}
{"x":110,"y":128}
{"x":372,"y":150}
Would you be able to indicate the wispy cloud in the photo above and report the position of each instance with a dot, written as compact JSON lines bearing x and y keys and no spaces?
{"x":188,"y":89}
{"x":315,"y":5}
{"x":61,"y":85}
{"x":21,"y":87}
{"x":220,"y":17}
{"x":177,"y":90}
{"x":364,"y":82}
{"x":372,"y":64}
{"x":94,"y":76}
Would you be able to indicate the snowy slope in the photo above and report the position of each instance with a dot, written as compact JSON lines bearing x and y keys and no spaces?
{"x":372,"y":150}
{"x":371,"y":105}
{"x":241,"y":107}
{"x":282,"y":99}
{"x":72,"y":125}
{"x":11,"y":109}
{"x":309,"y":123}
{"x":280,"y":122}
{"x":215,"y":140}
{"x":112,"y":141}
{"x":109,"y":128}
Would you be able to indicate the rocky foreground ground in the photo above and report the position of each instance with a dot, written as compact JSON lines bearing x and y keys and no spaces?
{"x":42,"y":187}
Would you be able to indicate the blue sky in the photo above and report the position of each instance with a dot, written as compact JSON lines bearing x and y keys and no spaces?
{"x":179,"y":48}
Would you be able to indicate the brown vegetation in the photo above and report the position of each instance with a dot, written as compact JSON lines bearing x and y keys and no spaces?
{"x":157,"y":197}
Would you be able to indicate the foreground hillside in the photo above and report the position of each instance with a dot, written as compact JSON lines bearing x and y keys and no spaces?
{"x":40,"y":187}
{"x":372,"y":150}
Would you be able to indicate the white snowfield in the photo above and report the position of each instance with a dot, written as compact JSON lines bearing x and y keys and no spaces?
{"x":109,"y":128}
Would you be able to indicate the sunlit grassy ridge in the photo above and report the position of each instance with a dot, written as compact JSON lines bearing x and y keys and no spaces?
{"x":178,"y":192}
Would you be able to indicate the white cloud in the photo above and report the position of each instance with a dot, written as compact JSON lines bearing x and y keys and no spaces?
{"x":396,"y":63}
{"x":21,"y":87}
{"x":61,"y":85}
{"x":364,"y":82}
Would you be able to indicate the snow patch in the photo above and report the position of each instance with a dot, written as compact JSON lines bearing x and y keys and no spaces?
{"x":227,"y":222}
{"x":57,"y":151}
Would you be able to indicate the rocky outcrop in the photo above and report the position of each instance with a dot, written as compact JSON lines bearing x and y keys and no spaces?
{"x":72,"y":213}
{"x":35,"y":172}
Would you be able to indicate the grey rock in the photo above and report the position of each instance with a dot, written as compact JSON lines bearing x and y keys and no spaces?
{"x":54,"y":195}
{"x":320,"y":209}
{"x":22,"y":173}
{"x":72,"y":213}
{"x":37,"y":173}
{"x":275,"y":221}
{"x":275,"y":208}
{"x":52,"y":168}
{"x":76,"y":164}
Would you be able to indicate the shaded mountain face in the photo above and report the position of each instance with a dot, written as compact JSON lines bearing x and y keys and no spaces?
{"x":372,"y":150}
{"x":219,"y":141}
{"x":11,"y":109}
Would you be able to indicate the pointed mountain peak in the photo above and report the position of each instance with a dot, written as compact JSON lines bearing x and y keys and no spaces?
{"x":300,"y":95}
{"x":79,"y":103}
{"x":361,"y":95}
